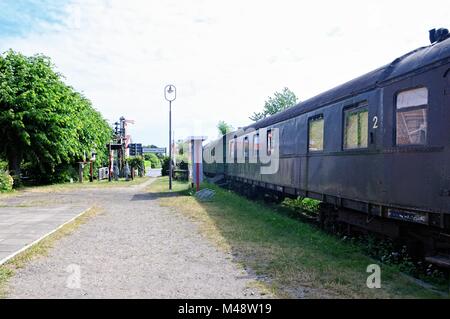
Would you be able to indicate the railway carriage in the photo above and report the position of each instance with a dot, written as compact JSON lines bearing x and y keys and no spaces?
{"x":376,"y":148}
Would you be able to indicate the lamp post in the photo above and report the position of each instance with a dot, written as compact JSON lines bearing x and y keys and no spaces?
{"x":170,"y":93}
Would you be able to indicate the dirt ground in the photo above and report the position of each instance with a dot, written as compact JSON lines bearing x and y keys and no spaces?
{"x":133,"y":249}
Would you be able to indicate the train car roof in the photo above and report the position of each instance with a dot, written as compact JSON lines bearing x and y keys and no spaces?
{"x":403,"y":65}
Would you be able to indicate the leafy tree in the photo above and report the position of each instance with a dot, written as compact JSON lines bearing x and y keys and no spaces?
{"x":279,"y":102}
{"x":155,"y":162}
{"x":43,"y":121}
{"x":137,"y":162}
{"x":224,"y":128}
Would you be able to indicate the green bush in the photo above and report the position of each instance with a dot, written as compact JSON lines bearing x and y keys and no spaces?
{"x":182,"y":158}
{"x":183,"y":165}
{"x":6,"y":182}
{"x":305,"y":205}
{"x":155,"y":162}
{"x":65,"y":172}
{"x":3,"y":165}
{"x":137,"y":162}
{"x":33,"y":173}
{"x":165,"y":166}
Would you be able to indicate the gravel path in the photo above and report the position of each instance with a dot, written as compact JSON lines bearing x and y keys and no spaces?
{"x":134,"y":249}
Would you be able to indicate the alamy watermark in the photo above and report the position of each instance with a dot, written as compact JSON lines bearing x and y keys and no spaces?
{"x":73,"y":281}
{"x":374,"y":279}
{"x":248,"y":146}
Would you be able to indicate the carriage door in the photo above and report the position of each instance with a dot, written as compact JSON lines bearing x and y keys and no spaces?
{"x":446,"y":128}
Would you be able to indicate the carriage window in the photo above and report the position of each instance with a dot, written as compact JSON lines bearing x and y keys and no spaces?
{"x":356,"y":127}
{"x":213,"y":152}
{"x":255,"y":144}
{"x":231,"y":149}
{"x":246,"y":148}
{"x":239,"y":150}
{"x":412,"y":107}
{"x":315,"y":134}
{"x":269,"y":142}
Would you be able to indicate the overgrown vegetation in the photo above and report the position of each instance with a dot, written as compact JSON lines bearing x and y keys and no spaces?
{"x":383,"y":250}
{"x":307,"y":206}
{"x":396,"y":254}
{"x":153,"y":160}
{"x":290,"y":257}
{"x":137,"y":163}
{"x":6,"y":182}
{"x":46,"y":126}
{"x":165,"y":166}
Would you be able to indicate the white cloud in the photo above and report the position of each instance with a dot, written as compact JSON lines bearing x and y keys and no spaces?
{"x":224,"y":57}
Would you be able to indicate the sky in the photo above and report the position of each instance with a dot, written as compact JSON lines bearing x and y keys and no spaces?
{"x":225,"y":57}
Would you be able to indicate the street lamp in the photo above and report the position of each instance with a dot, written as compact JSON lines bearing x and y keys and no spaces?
{"x":170,"y":93}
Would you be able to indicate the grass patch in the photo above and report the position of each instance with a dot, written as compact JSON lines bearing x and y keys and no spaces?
{"x":40,"y":249}
{"x":8,"y":194}
{"x":161,"y":185}
{"x":96,"y":184}
{"x":292,"y":258}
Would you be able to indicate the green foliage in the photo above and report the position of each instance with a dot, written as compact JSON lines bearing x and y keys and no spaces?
{"x":136,"y":162}
{"x":183,"y":165}
{"x":396,"y":254}
{"x":308,"y":206}
{"x":43,"y":121}
{"x":6,"y":182}
{"x":65,"y":172}
{"x":278,"y":103}
{"x":224,"y":128}
{"x":165,"y":166}
{"x":155,"y":162}
{"x":181,"y":158}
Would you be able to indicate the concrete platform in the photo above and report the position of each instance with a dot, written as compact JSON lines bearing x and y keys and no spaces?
{"x":21,"y":227}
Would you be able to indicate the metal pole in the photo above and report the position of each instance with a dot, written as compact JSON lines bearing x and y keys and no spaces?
{"x":91,"y":171}
{"x":110,"y":163}
{"x":197,"y":165}
{"x":170,"y":145}
{"x":80,"y":172}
